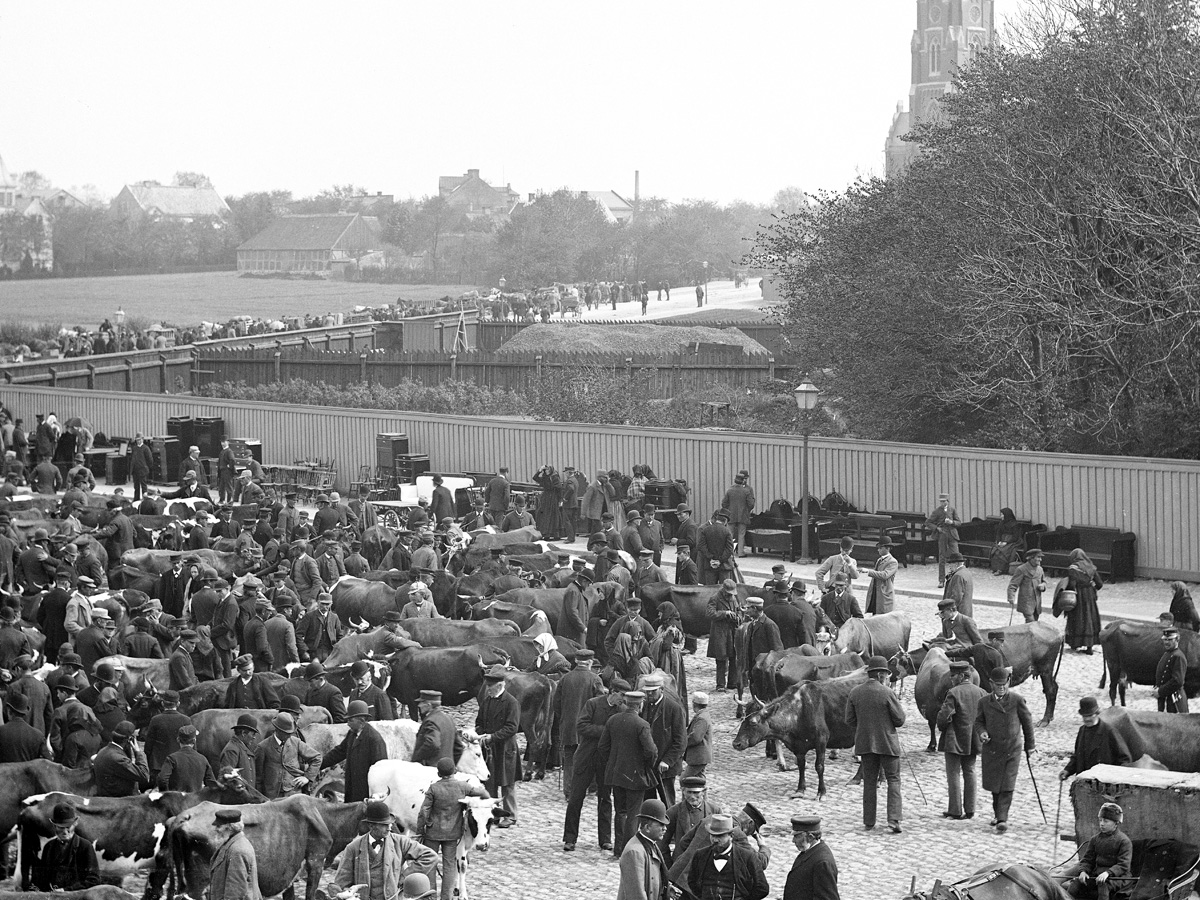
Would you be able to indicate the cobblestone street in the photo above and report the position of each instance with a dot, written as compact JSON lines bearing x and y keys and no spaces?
{"x":528,"y":861}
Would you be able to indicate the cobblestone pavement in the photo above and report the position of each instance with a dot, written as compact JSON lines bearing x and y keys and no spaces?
{"x":528,"y":861}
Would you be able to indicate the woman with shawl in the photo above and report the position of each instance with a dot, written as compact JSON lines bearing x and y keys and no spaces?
{"x":628,"y":659}
{"x":1010,"y":543}
{"x":549,"y":516}
{"x":1182,"y":607}
{"x":666,"y":650}
{"x":549,"y":660}
{"x":1083,"y":622}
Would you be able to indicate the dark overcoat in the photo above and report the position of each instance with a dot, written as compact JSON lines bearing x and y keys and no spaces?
{"x":1004,"y":720}
{"x":629,"y":751}
{"x":501,"y":718}
{"x":813,"y":876}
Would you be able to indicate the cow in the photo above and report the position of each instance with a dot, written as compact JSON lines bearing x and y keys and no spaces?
{"x":691,"y":601}
{"x":19,"y":780}
{"x":456,"y":633}
{"x":535,"y":693}
{"x":1132,"y":651}
{"x":400,"y":736}
{"x":215,"y":727}
{"x":775,"y":672}
{"x":1165,"y":738}
{"x":881,"y":635}
{"x":548,"y":600}
{"x":139,"y":675}
{"x":455,"y":671}
{"x":933,"y":683}
{"x":403,"y":785}
{"x":205,"y":695}
{"x":808,"y":716}
{"x":486,"y":541}
{"x":360,"y":598}
{"x":377,"y":542}
{"x":126,"y":831}
{"x":159,"y":562}
{"x":99,"y":892}
{"x":359,"y":645}
{"x":1035,"y":649}
{"x":286,"y":835}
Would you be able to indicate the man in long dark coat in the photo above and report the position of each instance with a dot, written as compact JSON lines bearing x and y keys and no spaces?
{"x":1096,"y":743}
{"x":362,"y":747}
{"x":497,"y":724}
{"x":875,"y":713}
{"x":814,"y":874}
{"x":631,"y":757}
{"x":588,"y":766}
{"x":573,"y":621}
{"x":999,"y":724}
{"x":958,"y":742}
{"x":714,"y":549}
{"x":577,"y":687}
{"x":668,"y":728}
{"x":724,"y":615}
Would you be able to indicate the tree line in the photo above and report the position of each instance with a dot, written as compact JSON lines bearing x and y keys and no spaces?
{"x":1032,"y":280}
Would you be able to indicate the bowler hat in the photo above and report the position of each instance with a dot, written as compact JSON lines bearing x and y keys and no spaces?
{"x":8,"y":615}
{"x":1088,"y":706}
{"x":359,"y":668}
{"x":377,"y":813}
{"x":246,"y":721}
{"x":416,"y":887}
{"x":840,"y":578}
{"x":124,"y":729}
{"x":877,"y":664}
{"x":682,"y":508}
{"x":654,"y":810}
{"x":314,"y":670}
{"x":290,"y":703}
{"x":393,"y":615}
{"x":64,"y":814}
{"x":358,"y":708}
{"x":66,"y":683}
{"x":999,"y":675}
{"x":721,"y":513}
{"x":632,"y":514}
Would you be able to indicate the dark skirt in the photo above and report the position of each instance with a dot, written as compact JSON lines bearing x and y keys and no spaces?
{"x":1083,"y":622}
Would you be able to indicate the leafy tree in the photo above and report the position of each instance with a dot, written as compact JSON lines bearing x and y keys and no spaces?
{"x":253,"y":212}
{"x":192,"y":180}
{"x":33,"y":180}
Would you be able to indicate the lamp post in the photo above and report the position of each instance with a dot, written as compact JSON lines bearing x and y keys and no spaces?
{"x":806,"y":395}
{"x":705,"y":267}
{"x":119,"y":316}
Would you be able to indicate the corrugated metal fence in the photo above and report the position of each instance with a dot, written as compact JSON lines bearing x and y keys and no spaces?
{"x":1155,"y":499}
{"x":656,"y":376}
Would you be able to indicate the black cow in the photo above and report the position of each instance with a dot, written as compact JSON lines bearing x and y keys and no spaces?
{"x":1132,"y":651}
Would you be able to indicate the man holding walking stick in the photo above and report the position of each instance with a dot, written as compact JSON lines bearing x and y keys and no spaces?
{"x":999,"y":724}
{"x":874,"y":713}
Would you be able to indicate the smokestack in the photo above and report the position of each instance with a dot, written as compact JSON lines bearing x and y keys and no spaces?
{"x":637,"y":191}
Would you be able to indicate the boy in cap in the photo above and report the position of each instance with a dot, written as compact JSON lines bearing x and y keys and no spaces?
{"x":1107,"y":855}
{"x":1096,"y":743}
{"x":959,"y":743}
{"x":440,"y":822}
{"x":185,"y":770}
{"x":814,"y":874}
{"x":643,"y":869}
{"x":999,"y":723}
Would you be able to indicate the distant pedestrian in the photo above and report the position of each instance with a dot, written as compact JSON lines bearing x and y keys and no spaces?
{"x":1026,"y":587}
{"x":944,"y":522}
{"x":699,"y":295}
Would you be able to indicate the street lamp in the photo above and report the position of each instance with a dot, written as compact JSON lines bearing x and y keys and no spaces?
{"x":119,"y":315}
{"x":705,"y":267}
{"x":806,"y":395}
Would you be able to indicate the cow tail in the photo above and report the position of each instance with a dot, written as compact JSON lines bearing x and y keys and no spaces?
{"x":1103,"y":673}
{"x":1058,"y":664}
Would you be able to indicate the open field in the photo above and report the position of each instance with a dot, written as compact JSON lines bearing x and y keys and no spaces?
{"x":191,"y":298}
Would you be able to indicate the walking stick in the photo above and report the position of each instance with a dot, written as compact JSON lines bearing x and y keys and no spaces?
{"x":1057,"y":819}
{"x":913,"y":769}
{"x":1011,"y":612}
{"x":1037,"y":792}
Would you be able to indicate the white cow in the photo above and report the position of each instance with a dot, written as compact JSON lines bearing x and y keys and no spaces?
{"x":400,"y":736}
{"x":402,"y":785}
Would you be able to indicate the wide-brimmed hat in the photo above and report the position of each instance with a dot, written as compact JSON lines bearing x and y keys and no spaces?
{"x":495,"y":673}
{"x":284,"y":722}
{"x":18,"y":703}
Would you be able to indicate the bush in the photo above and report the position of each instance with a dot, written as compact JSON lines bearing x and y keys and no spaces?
{"x":28,"y":332}
{"x":453,"y":397}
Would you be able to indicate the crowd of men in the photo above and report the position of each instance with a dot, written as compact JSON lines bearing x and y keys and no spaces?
{"x":629,"y":733}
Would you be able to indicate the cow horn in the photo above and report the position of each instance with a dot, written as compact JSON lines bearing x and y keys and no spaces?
{"x":360,"y":625}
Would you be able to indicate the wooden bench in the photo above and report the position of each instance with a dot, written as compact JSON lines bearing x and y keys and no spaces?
{"x":977,"y":538}
{"x":918,"y":541}
{"x":1110,"y":550}
{"x":866,"y":530}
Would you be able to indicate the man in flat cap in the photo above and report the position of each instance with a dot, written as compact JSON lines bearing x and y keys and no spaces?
{"x":577,"y":687}
{"x":814,"y":874}
{"x":958,"y":742}
{"x":689,"y":812}
{"x":1027,"y":585}
{"x":234,"y":871}
{"x":632,"y":756}
{"x":999,"y":723}
{"x":185,"y":770}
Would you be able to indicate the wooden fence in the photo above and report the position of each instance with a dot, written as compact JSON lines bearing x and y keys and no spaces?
{"x":1158,"y":500}
{"x":493,"y":334}
{"x":654,"y":376}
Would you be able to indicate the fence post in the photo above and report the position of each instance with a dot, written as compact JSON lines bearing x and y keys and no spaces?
{"x":441,"y":333}
{"x":91,"y":376}
{"x":362,"y":366}
{"x":374,"y":337}
{"x":538,"y":359}
{"x":194,"y":372}
{"x":770,"y":368}
{"x":129,"y":375}
{"x":162,"y":374}
{"x":328,"y":341}
{"x":629,"y":370}
{"x":278,"y":354}
{"x":8,"y":377}
{"x":53,"y":376}
{"x":453,"y":366}
{"x":306,"y":343}
{"x":350,"y":340}
{"x":676,"y":380}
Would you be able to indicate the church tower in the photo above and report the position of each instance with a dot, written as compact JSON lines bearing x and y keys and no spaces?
{"x":948,"y":36}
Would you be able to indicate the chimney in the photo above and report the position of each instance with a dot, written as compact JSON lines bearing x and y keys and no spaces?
{"x":637,"y":190}
{"x":472,"y":173}
{"x":379,"y":193}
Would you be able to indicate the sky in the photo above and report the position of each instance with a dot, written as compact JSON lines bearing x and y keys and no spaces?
{"x":715,"y":100}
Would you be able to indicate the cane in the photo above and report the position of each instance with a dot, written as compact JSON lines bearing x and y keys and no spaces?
{"x":1011,"y":612}
{"x":1037,"y":792}
{"x":1057,"y":819}
{"x":913,"y":769}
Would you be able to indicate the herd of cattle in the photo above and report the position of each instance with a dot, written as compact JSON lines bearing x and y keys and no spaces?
{"x":798,"y":698}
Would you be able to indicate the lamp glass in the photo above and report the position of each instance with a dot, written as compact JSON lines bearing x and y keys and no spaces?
{"x":806,"y":396}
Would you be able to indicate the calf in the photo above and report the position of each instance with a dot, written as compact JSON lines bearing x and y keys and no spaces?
{"x":126,"y":831}
{"x":809,"y":716}
{"x":403,"y":785}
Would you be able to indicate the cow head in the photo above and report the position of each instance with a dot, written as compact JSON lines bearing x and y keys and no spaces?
{"x":479,"y":813}
{"x":361,"y":626}
{"x":901,"y":665}
{"x":145,"y":706}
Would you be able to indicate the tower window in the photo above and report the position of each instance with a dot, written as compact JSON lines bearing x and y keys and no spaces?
{"x":974,"y":49}
{"x":935,"y":58}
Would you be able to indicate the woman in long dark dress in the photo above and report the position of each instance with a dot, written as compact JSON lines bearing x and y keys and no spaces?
{"x":1182,"y":607}
{"x":1010,"y":543}
{"x":549,"y":518}
{"x":1083,"y":622}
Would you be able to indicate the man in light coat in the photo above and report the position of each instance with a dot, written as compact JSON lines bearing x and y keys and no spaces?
{"x":381,"y":858}
{"x":1027,"y":585}
{"x":960,"y":584}
{"x":881,"y":594}
{"x":643,"y":869}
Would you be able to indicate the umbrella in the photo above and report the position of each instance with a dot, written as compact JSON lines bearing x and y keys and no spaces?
{"x":77,"y":422}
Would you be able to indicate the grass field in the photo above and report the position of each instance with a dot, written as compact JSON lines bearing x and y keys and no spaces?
{"x":188,"y":299}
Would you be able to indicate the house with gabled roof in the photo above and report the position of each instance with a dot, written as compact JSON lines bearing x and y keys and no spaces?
{"x":149,"y":199}
{"x":310,"y":243}
{"x":476,"y":198}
